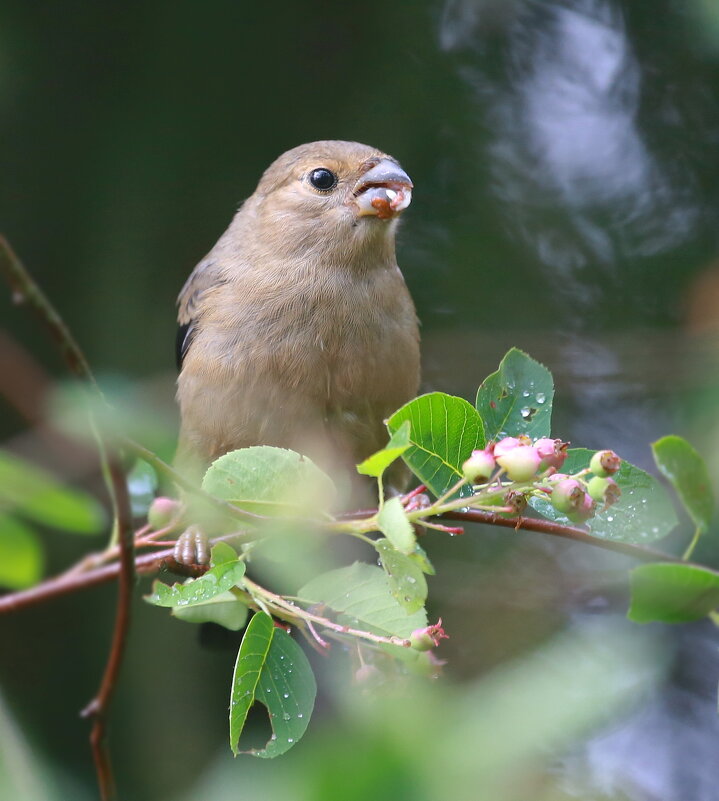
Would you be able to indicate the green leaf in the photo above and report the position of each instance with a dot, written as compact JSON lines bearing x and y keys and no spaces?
{"x":21,"y":556}
{"x":517,"y":398}
{"x":269,"y":481}
{"x":406,"y":580}
{"x":272,"y":669}
{"x":224,"y":609}
{"x":34,"y":493}
{"x":643,"y":513}
{"x":217,"y":580}
{"x":672,"y":593}
{"x":393,"y":523}
{"x":142,"y":485}
{"x":419,"y":557}
{"x":687,"y":472}
{"x":222,"y":552}
{"x":444,"y":432}
{"x":376,"y":464}
{"x":361,"y":595}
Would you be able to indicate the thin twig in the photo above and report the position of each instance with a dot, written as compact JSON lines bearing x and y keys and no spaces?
{"x":98,"y":709}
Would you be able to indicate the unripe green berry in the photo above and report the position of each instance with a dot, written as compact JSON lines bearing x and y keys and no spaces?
{"x":604,"y":490}
{"x":567,"y":495}
{"x":585,"y":510}
{"x":605,"y":463}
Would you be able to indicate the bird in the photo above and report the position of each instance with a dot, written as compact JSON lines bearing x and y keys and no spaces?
{"x":297,"y":329}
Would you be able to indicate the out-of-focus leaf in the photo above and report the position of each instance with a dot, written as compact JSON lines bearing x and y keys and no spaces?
{"x":376,"y":464}
{"x":517,"y":398}
{"x":643,"y":513}
{"x":406,"y":580}
{"x":142,"y":485}
{"x":361,"y":594}
{"x":223,"y":609}
{"x":686,"y":470}
{"x":393,"y":523}
{"x":272,"y":669}
{"x":672,"y":593}
{"x":269,"y":481}
{"x":35,"y":494}
{"x":444,"y":432}
{"x":21,"y":556}
{"x":217,"y":580}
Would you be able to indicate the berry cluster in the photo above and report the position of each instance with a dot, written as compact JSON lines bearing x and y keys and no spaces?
{"x":522,"y":461}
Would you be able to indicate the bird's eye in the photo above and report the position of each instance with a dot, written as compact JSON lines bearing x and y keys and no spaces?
{"x":323,"y":179}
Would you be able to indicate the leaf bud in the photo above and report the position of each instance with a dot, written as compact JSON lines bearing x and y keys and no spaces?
{"x":605,"y":463}
{"x":162,"y":511}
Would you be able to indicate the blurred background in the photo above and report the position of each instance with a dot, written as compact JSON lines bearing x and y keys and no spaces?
{"x":566,"y":170}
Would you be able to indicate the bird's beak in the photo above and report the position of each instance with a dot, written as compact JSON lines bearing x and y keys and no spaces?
{"x":383,"y":191}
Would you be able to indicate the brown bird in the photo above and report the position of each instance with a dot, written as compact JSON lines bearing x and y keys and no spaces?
{"x":297,"y":329}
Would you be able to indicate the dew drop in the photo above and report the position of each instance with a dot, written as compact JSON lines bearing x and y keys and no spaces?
{"x":525,"y":394}
{"x":285,"y":695}
{"x":290,"y":740}
{"x":286,"y":716}
{"x":525,"y":411}
{"x":541,"y":397}
{"x":300,"y":715}
{"x":610,"y":519}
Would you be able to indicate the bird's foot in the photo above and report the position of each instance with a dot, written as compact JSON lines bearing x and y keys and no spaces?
{"x":192,"y":547}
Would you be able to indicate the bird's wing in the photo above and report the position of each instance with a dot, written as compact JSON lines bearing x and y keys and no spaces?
{"x":203,"y":277}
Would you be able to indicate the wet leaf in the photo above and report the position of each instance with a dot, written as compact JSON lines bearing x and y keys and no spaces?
{"x":672,"y":593}
{"x":224,"y":610}
{"x":643,"y":513}
{"x":273,"y":670}
{"x":406,"y":580}
{"x":361,"y":594}
{"x":444,"y":432}
{"x":517,"y":398}
{"x":217,"y":580}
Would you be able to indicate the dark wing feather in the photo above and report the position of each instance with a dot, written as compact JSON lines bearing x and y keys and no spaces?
{"x":182,"y":342}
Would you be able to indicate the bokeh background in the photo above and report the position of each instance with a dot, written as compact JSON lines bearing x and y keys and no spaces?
{"x":565,"y":158}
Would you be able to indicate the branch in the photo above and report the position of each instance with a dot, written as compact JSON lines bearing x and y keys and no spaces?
{"x":640,"y":552}
{"x":26,"y":290}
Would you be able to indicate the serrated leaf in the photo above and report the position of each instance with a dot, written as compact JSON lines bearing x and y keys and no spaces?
{"x":393,"y":523}
{"x":686,"y":470}
{"x":217,"y":580}
{"x":444,"y":432}
{"x":376,"y":464}
{"x":21,"y":556}
{"x":517,"y":398}
{"x":406,"y":580}
{"x":35,"y":494}
{"x":361,"y":595}
{"x":224,"y":610}
{"x":273,"y":670}
{"x":420,"y":558}
{"x":269,"y":481}
{"x":643,"y":513}
{"x":672,"y":593}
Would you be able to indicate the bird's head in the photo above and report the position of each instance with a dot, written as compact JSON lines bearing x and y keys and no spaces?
{"x":341,"y":196}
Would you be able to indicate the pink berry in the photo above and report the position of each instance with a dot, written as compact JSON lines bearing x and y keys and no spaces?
{"x":520,"y":463}
{"x":586,"y":510}
{"x":480,"y":465}
{"x":162,"y":511}
{"x":552,"y":451}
